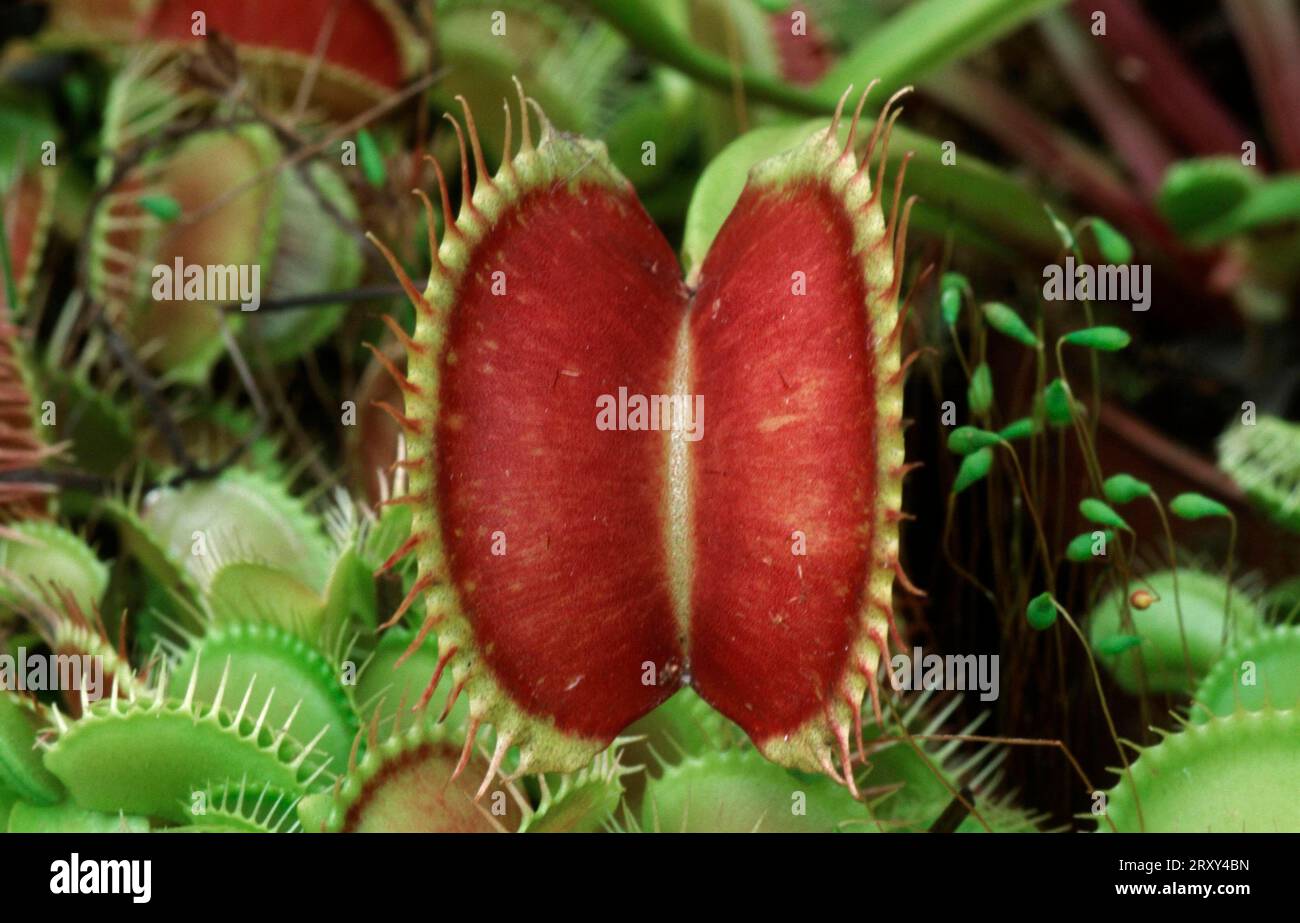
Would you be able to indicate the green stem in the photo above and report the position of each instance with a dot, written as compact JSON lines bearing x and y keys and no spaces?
{"x":1228,"y":622}
{"x":1044,"y":549}
{"x":1178,"y":603}
{"x":926,"y":35}
{"x":1105,"y":709}
{"x":645,"y":27}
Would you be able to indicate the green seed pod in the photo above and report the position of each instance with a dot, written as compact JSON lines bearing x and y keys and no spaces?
{"x":1114,"y":246}
{"x":1058,"y":402}
{"x":1095,"y":511}
{"x":1197,"y":506}
{"x":1117,"y":644}
{"x":979,"y":393}
{"x":1006,"y":321}
{"x":1124,"y":488}
{"x":1106,"y":339}
{"x":974,"y":467}
{"x":1041,"y":612}
{"x":370,"y":159}
{"x":1201,"y":598}
{"x":952,"y":289}
{"x":1080,"y":548}
{"x":1020,"y":429}
{"x":1062,"y":229}
{"x":967,"y":439}
{"x":162,"y":207}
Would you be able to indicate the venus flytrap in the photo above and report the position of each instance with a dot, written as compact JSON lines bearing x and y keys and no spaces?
{"x":1263,"y":458}
{"x":1259,"y":672}
{"x":1218,"y":776}
{"x":560,"y":709}
{"x":401,"y":655}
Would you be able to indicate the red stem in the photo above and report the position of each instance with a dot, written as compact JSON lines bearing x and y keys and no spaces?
{"x":1162,"y":82}
{"x":1269,"y":32}
{"x":1138,"y":143}
{"x":1052,"y":152}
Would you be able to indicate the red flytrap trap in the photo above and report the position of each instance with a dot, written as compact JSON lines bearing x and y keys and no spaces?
{"x":577,"y":576}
